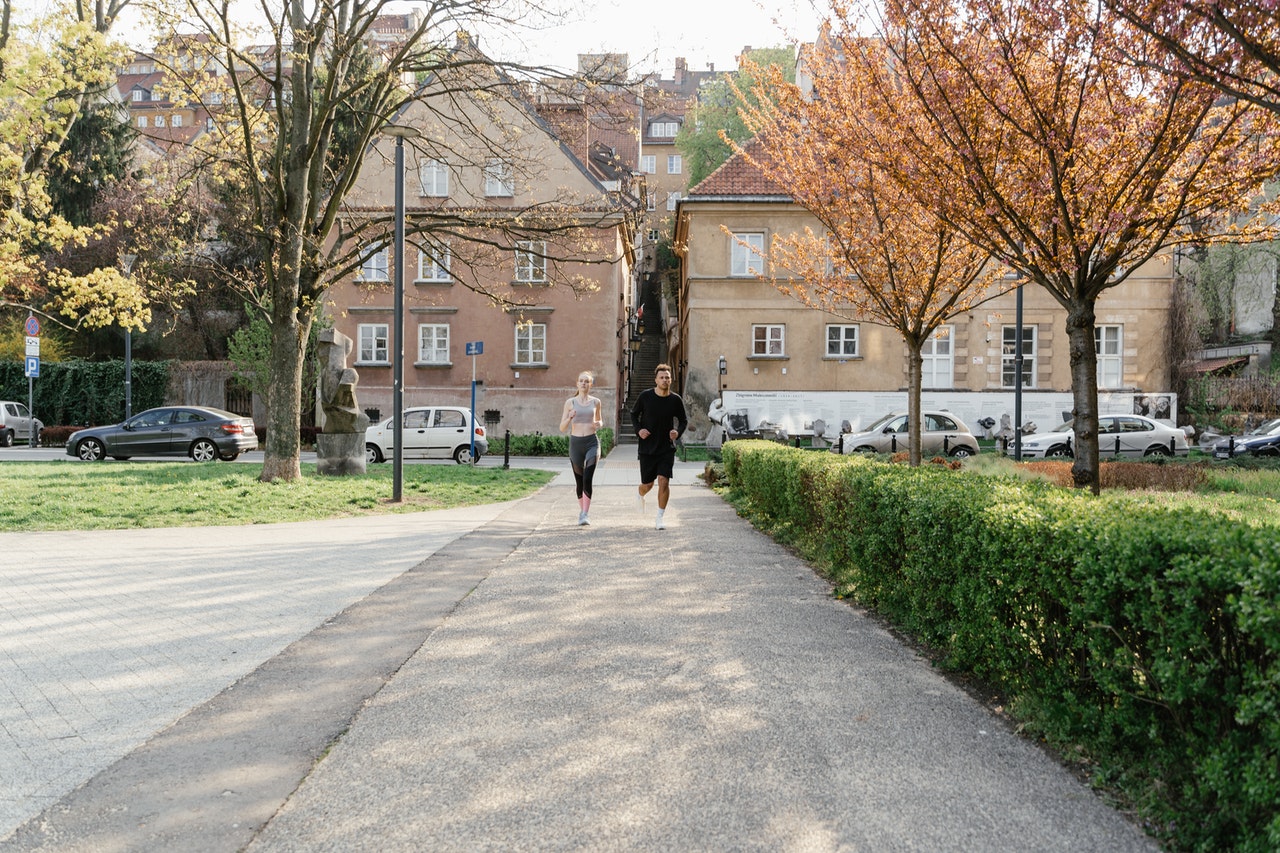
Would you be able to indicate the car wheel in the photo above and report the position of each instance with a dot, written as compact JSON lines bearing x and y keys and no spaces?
{"x":1060,"y":451}
{"x":204,"y":450}
{"x":372,"y":454}
{"x":6,"y":438}
{"x":961,"y":451}
{"x":1268,"y":451}
{"x":91,"y":450}
{"x":866,"y":448}
{"x":462,"y":455}
{"x":229,"y":457}
{"x":1157,"y":450}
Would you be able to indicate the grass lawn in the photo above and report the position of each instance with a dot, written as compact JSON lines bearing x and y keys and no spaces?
{"x":74,"y":496}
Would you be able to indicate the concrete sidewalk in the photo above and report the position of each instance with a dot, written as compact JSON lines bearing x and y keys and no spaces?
{"x":609,"y":687}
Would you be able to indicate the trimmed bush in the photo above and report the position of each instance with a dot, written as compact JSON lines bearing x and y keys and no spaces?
{"x":1142,"y":637}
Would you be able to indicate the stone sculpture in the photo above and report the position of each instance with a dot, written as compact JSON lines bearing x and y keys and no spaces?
{"x":340,"y":445}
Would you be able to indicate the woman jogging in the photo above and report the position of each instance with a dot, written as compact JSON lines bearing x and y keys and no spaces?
{"x":581,"y":418}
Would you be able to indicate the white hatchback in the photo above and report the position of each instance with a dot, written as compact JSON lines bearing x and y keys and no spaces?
{"x":16,"y":424}
{"x":429,"y":432}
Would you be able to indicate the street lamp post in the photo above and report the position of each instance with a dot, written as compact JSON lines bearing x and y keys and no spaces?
{"x":126,"y":265}
{"x":401,"y":133}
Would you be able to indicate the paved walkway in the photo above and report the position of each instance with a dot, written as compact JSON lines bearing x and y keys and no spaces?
{"x":538,"y":685}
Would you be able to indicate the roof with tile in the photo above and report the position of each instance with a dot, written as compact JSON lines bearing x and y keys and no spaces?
{"x":737,"y":176}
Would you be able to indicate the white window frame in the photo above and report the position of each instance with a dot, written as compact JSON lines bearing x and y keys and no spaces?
{"x":743,"y":261}
{"x":1008,"y":355}
{"x":434,"y":263}
{"x":675,"y":164}
{"x":651,"y":200}
{"x":499,"y":179}
{"x":136,"y":96}
{"x":433,"y":343}
{"x":176,"y":121}
{"x":374,"y":265}
{"x":664,"y":129}
{"x":373,"y":343}
{"x":531,"y":261}
{"x":1108,"y":341}
{"x":839,"y":338}
{"x":160,"y":121}
{"x":673,"y":198}
{"x":769,"y":340}
{"x":649,"y":164}
{"x":142,"y":121}
{"x":433,"y":178}
{"x":939,"y":359}
{"x":531,"y":344}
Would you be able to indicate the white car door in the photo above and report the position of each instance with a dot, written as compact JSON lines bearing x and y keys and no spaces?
{"x":415,"y":433}
{"x":448,"y":430}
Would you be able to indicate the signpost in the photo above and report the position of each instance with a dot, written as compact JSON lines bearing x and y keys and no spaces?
{"x":474,"y":348}
{"x":32,"y":328}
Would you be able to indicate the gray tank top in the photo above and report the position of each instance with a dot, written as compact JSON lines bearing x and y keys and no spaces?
{"x":584,"y":413}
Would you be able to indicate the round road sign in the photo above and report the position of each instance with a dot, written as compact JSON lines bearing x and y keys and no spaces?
{"x":32,"y":327}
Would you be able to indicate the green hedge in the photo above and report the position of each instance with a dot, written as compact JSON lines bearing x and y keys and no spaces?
{"x":538,"y":444}
{"x":1145,"y":636}
{"x":85,"y":393}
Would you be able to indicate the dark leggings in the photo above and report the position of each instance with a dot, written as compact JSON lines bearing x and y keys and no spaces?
{"x":584,"y":450}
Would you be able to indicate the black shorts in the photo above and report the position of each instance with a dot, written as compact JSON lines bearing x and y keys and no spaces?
{"x":655,"y":465}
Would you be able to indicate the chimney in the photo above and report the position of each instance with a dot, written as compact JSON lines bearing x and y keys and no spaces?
{"x":682,"y":68}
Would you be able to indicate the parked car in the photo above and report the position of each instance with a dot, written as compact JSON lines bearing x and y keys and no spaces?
{"x":203,"y":433}
{"x":1262,"y":440}
{"x":943,"y":433}
{"x":428,"y":432}
{"x":1118,"y":435}
{"x":16,"y":424}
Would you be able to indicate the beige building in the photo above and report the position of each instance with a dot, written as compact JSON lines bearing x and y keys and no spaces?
{"x":845,"y":370}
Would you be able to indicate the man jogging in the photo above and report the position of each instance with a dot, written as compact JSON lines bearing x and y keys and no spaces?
{"x":659,"y":419}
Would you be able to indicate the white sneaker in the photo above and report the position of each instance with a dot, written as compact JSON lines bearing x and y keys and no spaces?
{"x":582,"y":518}
{"x":658,"y":524}
{"x":639,"y":503}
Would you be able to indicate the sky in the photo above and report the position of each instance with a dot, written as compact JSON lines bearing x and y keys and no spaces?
{"x":654,"y":32}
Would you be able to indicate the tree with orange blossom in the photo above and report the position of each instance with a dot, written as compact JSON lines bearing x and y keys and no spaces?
{"x":1231,"y":44}
{"x":879,"y":256}
{"x":1048,"y":141}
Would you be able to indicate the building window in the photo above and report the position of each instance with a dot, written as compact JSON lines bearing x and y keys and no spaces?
{"x":433,"y":343}
{"x":1008,"y":354}
{"x":939,"y":359}
{"x":531,"y":260}
{"x":664,"y":129}
{"x":675,"y":164}
{"x":433,"y":263}
{"x":176,"y":121}
{"x":214,"y":98}
{"x":650,"y":200}
{"x":672,"y":200}
{"x":373,"y":343}
{"x":139,"y":95}
{"x":746,"y":259}
{"x":373,"y":267}
{"x":1109,"y":343}
{"x":499,"y":179}
{"x":649,"y":164}
{"x":768,"y":340}
{"x":531,"y":343}
{"x":159,"y":121}
{"x":142,"y":121}
{"x":842,"y":341}
{"x":434,"y":178}
{"x":208,"y":124}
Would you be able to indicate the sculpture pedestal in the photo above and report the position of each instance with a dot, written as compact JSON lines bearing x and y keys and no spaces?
{"x":340,"y":454}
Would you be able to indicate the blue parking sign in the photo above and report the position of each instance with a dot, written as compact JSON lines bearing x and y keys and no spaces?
{"x":33,"y":366}
{"x":475,"y":347}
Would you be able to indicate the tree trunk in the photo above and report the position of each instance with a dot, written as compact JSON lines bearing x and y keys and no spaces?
{"x":1084,"y":393}
{"x":914,"y":371}
{"x":289,"y":331}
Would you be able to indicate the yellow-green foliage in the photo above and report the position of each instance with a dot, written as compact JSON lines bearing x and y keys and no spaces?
{"x":1146,"y":633}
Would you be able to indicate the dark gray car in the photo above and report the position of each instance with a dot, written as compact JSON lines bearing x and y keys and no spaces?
{"x":203,"y":433}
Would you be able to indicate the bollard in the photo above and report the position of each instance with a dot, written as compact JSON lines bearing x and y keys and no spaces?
{"x":1117,"y":445}
{"x":506,"y":451}
{"x":1231,"y":446}
{"x":1173,"y":447}
{"x":946,"y":445}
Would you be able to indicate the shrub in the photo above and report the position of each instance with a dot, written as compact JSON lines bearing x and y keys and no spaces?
{"x":1143,"y":636}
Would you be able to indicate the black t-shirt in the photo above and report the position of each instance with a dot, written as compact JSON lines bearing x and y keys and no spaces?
{"x":659,"y":415}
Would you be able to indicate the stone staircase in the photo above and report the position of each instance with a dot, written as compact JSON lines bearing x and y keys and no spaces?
{"x":652,"y":352}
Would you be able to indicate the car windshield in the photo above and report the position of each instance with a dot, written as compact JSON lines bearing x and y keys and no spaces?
{"x":882,"y":423}
{"x":1268,"y":428}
